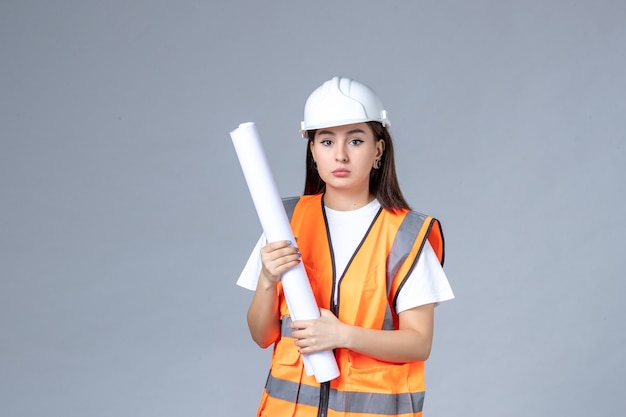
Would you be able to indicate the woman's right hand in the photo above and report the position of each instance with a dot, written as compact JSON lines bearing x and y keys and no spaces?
{"x":264,"y":314}
{"x":276,"y":258}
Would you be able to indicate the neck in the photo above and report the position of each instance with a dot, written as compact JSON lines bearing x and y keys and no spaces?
{"x":343,"y":201}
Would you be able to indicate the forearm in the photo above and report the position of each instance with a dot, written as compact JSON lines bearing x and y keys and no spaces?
{"x":411,"y":342}
{"x":403,"y":345}
{"x":263,"y":316}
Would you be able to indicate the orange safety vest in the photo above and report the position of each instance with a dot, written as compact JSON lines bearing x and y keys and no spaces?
{"x":367,"y":295}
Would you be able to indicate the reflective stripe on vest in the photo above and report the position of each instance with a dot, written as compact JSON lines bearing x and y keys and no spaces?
{"x":347,"y":401}
{"x":402,"y":244}
{"x":290,"y":205}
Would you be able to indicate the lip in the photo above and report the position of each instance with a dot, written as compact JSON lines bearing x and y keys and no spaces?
{"x":341,"y":172}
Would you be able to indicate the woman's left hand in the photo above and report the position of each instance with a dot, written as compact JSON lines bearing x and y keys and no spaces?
{"x":324,"y":333}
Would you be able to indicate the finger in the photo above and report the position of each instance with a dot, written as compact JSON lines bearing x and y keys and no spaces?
{"x":270,"y":254}
{"x":297,"y":325}
{"x":299,"y":345}
{"x":306,"y":346}
{"x":281,"y":255}
{"x":279,"y":244}
{"x":298,"y":333}
{"x":284,"y":267}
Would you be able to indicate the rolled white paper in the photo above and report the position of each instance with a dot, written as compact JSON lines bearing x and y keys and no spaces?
{"x":275,"y":224}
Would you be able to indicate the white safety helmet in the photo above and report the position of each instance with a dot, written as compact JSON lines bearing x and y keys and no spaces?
{"x":342,"y":101}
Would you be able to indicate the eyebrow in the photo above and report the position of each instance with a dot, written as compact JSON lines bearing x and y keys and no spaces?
{"x":350,"y":132}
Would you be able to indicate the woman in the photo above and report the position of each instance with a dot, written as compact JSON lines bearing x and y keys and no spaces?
{"x":375,"y":269}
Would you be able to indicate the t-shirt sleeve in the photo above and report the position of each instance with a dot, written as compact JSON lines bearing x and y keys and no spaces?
{"x":426,"y":284}
{"x":250,"y":273}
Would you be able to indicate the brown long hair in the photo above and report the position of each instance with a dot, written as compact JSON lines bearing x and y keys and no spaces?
{"x":383,"y":181}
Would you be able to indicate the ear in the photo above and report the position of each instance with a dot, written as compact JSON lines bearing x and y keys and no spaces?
{"x":380,"y":148}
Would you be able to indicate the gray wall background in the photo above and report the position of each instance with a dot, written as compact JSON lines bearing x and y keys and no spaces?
{"x":125,"y":218}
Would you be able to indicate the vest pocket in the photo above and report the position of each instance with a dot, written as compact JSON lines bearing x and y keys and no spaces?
{"x":367,"y":374}
{"x":287,"y":361}
{"x":384,"y":389}
{"x":281,"y":393}
{"x":286,"y":352}
{"x":376,"y":387}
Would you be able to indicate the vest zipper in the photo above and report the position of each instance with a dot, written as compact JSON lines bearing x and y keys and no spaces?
{"x":322,"y":410}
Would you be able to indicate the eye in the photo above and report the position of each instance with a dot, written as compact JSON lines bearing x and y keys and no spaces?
{"x":356,"y":141}
{"x":325,"y":142}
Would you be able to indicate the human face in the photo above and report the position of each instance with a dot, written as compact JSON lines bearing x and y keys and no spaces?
{"x":345,"y":155}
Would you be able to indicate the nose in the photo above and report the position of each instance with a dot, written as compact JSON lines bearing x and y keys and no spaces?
{"x":341,"y":155}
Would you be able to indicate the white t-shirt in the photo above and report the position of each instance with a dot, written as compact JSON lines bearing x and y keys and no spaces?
{"x":426,"y":284}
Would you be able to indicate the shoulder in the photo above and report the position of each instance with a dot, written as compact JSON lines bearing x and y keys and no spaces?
{"x":301,"y":198}
{"x":291,"y":202}
{"x":404,"y":218}
{"x":303,"y":201}
{"x":410,"y":217}
{"x":418,"y":227}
